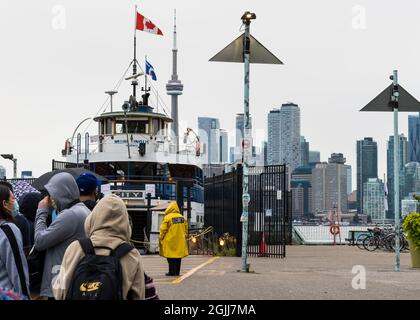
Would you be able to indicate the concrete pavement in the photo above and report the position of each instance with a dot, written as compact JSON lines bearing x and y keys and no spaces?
{"x":308,"y":272}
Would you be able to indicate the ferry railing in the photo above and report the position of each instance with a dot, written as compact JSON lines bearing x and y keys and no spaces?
{"x":160,"y":144}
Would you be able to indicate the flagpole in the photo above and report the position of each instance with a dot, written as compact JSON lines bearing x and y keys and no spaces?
{"x":134,"y":82}
{"x":145,"y":76}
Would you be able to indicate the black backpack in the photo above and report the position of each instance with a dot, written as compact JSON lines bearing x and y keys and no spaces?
{"x":98,"y":277}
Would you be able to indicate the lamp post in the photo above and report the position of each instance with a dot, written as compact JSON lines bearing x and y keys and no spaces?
{"x":259,"y":54}
{"x":12,"y":158}
{"x":246,"y":20}
{"x":75,"y":130}
{"x":126,"y":107}
{"x":395,"y":99}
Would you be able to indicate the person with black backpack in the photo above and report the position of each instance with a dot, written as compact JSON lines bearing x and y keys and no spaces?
{"x":13,"y":267}
{"x":103,"y":266}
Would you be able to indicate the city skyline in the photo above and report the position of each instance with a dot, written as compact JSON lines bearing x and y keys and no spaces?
{"x":335,"y":43}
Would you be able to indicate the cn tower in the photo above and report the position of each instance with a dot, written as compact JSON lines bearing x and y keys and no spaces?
{"x":174,"y":88}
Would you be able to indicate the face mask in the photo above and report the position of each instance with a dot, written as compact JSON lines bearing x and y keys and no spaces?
{"x":54,"y":214}
{"x":15,"y":211}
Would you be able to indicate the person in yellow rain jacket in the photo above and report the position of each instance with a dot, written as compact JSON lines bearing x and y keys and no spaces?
{"x":173,"y":238}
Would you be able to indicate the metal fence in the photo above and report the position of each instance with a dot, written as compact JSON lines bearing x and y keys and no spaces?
{"x":60,"y":165}
{"x":269,"y":211}
{"x":270,"y":227}
{"x":223,"y":204}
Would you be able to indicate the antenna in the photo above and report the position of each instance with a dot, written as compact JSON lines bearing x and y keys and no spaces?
{"x":111,"y":93}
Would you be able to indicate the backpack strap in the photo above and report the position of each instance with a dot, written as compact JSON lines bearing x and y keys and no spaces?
{"x":122,"y":250}
{"x":18,"y":261}
{"x":87,"y":246}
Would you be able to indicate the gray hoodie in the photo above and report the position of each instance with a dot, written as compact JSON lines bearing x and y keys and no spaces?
{"x":67,"y":227}
{"x":9,"y":276}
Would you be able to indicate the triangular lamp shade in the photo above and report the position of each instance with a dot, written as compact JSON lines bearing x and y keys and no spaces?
{"x":234,"y":52}
{"x":406,"y":102}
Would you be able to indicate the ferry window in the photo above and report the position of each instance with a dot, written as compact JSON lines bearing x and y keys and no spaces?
{"x":108,"y":127}
{"x":138,"y":126}
{"x":155,"y":126}
{"x":119,"y":127}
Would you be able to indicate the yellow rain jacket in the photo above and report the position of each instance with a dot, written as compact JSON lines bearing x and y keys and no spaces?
{"x":173,"y":234}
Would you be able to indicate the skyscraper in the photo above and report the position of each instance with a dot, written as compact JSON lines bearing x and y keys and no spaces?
{"x":304,"y":151}
{"x":301,"y":192}
{"x":314,"y":156}
{"x":209,"y":132}
{"x":367,"y":166}
{"x":373,"y":199}
{"x":349,"y":180}
{"x":414,"y":138}
{"x":224,"y":146}
{"x":329,"y":185}
{"x":265,"y":151}
{"x":174,"y":88}
{"x":403,"y":152}
{"x":240,"y":125}
{"x":231,"y":154}
{"x":411,"y":182}
{"x":273,"y":132}
{"x":408,"y":206}
{"x":284,"y":136}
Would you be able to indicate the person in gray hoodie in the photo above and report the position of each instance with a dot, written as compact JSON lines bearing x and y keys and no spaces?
{"x":67,"y":227}
{"x":9,"y":270}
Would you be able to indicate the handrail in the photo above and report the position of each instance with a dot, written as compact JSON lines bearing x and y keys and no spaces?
{"x":143,"y":181}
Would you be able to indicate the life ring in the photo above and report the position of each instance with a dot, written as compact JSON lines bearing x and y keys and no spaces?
{"x":334,"y":230}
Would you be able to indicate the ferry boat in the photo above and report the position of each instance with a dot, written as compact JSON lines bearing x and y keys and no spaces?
{"x":145,"y":164}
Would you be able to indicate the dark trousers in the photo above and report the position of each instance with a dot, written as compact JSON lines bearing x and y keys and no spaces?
{"x":174,"y":266}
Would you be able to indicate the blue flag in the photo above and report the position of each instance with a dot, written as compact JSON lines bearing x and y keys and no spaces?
{"x":150,"y":71}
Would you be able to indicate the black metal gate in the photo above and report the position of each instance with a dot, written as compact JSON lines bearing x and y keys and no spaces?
{"x":269,"y":226}
{"x":269,"y":209}
{"x":223,"y":204}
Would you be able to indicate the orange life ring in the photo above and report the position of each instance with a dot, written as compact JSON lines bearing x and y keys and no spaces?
{"x":334,"y":230}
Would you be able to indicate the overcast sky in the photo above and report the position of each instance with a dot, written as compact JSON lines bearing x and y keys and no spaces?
{"x":338,"y":55}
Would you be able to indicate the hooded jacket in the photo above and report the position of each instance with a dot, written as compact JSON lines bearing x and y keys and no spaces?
{"x":173,"y":234}
{"x":67,"y":227}
{"x":107,"y":226}
{"x":9,"y":275}
{"x":28,"y":205}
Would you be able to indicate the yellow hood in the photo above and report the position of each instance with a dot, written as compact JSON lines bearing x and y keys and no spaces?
{"x":172,"y":208}
{"x":108,"y":224}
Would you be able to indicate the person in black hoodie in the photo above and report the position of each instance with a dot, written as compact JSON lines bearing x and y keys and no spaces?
{"x":88,"y":187}
{"x":28,"y":204}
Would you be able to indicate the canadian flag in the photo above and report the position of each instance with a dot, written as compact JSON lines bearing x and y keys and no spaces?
{"x":144,"y":24}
